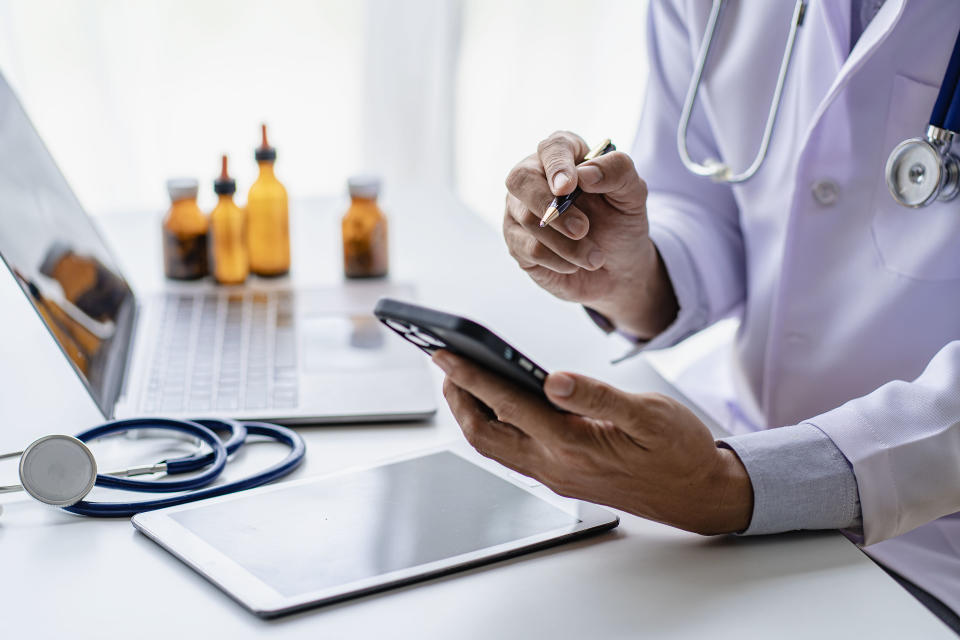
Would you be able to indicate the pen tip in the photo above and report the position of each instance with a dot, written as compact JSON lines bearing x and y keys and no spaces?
{"x":551,"y":215}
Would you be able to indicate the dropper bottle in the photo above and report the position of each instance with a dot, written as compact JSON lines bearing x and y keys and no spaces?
{"x":227,"y":247}
{"x":268,"y":230}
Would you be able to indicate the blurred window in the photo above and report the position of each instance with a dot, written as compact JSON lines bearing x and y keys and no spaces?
{"x":445,"y":92}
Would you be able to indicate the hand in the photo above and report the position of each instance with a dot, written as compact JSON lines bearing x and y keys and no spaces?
{"x":599,"y":252}
{"x":642,"y":453}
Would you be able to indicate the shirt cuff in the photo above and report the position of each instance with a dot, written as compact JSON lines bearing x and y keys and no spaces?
{"x":800,"y":480}
{"x":692,"y":314}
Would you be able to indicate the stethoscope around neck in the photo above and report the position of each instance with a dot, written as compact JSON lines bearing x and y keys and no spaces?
{"x":919,"y":171}
{"x":713,"y":168}
{"x":61,"y":470}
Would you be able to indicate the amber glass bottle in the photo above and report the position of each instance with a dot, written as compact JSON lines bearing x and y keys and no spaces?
{"x":227,"y":246}
{"x":268,"y":227}
{"x":184,"y":232}
{"x":364,"y":229}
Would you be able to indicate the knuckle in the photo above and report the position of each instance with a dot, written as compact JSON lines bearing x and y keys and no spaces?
{"x":583,"y":254}
{"x":507,"y":410}
{"x":556,"y":146}
{"x":557,"y":137}
{"x":658,"y":402}
{"x":537,"y":250}
{"x":531,"y":221}
{"x":620,"y":164}
{"x":522,"y":176}
{"x":643,"y":188}
{"x":658,"y":412}
{"x":601,"y":397}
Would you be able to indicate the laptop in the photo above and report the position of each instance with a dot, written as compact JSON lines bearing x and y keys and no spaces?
{"x":263,"y":351}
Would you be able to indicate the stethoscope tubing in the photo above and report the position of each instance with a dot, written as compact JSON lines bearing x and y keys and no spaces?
{"x":127,"y":509}
{"x":189,"y":427}
{"x":717,"y":170}
{"x":238,"y":435}
{"x":946,"y":110}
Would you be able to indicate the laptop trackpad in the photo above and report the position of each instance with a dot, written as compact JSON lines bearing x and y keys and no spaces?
{"x":349,"y":343}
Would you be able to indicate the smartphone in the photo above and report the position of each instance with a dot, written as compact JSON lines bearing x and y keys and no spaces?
{"x":430,"y":330}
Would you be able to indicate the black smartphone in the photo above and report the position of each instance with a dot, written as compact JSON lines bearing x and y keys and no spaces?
{"x":430,"y":330}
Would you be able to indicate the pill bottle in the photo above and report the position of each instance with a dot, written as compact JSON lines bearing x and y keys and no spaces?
{"x":184,"y":232}
{"x":364,"y":228}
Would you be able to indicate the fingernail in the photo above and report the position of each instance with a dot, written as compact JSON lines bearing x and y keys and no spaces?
{"x":559,"y":384}
{"x":573,"y":225}
{"x":589,"y":174}
{"x":596,"y":258}
{"x":560,"y":181}
{"x":442,"y":360}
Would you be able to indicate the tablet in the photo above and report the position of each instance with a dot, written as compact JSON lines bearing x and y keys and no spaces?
{"x":290,"y":546}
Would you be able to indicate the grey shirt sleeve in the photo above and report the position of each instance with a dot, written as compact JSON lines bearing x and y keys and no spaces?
{"x":800,"y":480}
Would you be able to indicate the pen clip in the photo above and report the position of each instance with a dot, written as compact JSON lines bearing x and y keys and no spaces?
{"x":598,"y":150}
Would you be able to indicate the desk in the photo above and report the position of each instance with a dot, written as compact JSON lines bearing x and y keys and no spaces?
{"x":63,"y":576}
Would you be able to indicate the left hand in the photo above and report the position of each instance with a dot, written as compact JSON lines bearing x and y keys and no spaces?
{"x":643,"y":453}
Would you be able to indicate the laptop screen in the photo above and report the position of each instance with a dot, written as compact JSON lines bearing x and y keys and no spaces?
{"x":57,"y":257}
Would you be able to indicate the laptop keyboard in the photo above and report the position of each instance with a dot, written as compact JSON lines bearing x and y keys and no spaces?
{"x":223,"y":352}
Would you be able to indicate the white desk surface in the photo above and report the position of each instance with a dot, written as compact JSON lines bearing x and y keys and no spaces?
{"x":64,"y":576}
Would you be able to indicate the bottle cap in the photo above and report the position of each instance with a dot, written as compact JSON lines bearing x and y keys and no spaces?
{"x":265,"y":153}
{"x":182,"y":188}
{"x":224,"y":185}
{"x":364,"y":185}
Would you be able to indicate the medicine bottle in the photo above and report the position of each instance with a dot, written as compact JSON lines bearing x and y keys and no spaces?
{"x":364,"y":228}
{"x":228,"y":249}
{"x":184,"y":232}
{"x":268,"y":230}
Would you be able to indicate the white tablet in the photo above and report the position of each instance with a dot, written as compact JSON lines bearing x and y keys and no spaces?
{"x":314,"y":541}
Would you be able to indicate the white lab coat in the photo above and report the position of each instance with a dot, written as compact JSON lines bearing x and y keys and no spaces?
{"x":850,"y":304}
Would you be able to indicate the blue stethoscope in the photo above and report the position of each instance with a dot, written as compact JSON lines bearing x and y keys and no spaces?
{"x":923,"y":170}
{"x":60,"y":470}
{"x":919,"y":171}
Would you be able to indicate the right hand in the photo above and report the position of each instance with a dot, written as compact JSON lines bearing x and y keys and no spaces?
{"x":599,"y":252}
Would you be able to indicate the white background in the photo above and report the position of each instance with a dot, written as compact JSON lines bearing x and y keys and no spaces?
{"x":127,"y":94}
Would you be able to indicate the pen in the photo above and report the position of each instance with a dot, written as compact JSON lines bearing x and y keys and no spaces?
{"x":562,"y":203}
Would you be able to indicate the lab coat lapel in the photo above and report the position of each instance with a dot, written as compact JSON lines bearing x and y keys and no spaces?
{"x":872,"y":37}
{"x":839,"y":28}
{"x":836,"y":16}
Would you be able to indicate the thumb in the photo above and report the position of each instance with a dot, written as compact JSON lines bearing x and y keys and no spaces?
{"x":587,"y":397}
{"x":615,"y":176}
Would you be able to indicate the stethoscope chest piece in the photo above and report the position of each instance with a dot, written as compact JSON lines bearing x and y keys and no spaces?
{"x":58,"y":470}
{"x":918,"y":173}
{"x":61,"y":470}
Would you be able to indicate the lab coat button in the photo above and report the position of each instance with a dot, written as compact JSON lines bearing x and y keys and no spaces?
{"x":826,"y":192}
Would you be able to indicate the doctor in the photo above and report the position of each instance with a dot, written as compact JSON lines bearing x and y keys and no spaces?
{"x":849,"y":342}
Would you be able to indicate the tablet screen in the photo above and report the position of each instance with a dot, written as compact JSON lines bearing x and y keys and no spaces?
{"x":360,"y":525}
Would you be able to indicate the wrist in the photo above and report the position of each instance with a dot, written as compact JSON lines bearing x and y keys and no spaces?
{"x":644,"y":303}
{"x":734,"y":495}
